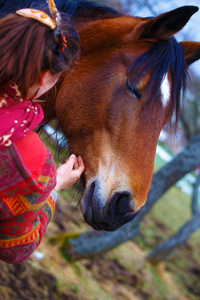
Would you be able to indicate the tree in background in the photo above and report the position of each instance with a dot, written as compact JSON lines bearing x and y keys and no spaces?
{"x":190,"y":110}
{"x":162,"y":251}
{"x":93,"y":242}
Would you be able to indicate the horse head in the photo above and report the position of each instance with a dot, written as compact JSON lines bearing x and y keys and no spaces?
{"x":114,"y":104}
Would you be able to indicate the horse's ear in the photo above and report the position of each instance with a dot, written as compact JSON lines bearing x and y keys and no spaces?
{"x":167,"y":24}
{"x":191,"y":51}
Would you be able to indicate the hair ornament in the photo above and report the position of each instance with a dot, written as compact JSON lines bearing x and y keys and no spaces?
{"x":57,"y":19}
{"x":38,"y":15}
{"x":54,"y":13}
{"x":54,"y":23}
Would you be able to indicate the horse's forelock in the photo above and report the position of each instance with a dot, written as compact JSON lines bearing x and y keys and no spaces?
{"x":11,"y":6}
{"x":76,"y":8}
{"x":81,"y":8}
{"x":163,"y":56}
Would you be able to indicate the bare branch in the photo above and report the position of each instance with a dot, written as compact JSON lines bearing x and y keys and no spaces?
{"x":195,"y":206}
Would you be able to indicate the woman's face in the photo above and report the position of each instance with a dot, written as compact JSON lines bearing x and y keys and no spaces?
{"x":46,"y":82}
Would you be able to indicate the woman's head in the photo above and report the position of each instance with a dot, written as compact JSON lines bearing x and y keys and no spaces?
{"x":29,"y":48}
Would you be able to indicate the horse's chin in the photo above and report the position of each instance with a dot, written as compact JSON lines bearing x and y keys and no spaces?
{"x":106,"y":226}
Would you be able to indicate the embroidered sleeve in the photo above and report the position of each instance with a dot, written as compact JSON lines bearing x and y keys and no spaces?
{"x":17,"y":243}
{"x":25,"y":211}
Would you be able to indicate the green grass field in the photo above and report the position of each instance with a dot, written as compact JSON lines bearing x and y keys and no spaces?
{"x":123,"y":273}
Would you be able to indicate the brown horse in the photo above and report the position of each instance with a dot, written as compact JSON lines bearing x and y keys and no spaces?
{"x":114,"y":104}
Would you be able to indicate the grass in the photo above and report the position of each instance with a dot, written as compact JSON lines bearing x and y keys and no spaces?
{"x":123,"y":273}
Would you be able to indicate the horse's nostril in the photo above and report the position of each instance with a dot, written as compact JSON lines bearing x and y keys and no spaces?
{"x":122,"y":204}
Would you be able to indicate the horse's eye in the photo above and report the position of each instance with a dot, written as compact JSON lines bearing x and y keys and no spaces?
{"x":134,"y":91}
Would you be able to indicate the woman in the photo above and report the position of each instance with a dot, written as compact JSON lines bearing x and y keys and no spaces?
{"x":34,"y":50}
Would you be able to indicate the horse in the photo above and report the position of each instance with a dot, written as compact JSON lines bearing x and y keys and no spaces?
{"x":112,"y":107}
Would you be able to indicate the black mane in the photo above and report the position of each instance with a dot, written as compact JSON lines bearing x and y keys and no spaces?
{"x":74,"y":8}
{"x":165,"y":55}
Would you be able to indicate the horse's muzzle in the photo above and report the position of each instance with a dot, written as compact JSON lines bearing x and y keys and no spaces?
{"x":109,"y":214}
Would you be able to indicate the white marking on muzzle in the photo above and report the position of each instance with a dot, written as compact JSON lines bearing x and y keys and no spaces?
{"x":111,"y":174}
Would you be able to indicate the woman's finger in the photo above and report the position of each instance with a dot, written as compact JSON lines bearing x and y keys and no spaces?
{"x":81,"y":165}
{"x":76,"y":164}
{"x":72,"y":161}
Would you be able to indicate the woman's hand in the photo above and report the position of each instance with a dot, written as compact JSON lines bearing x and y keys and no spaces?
{"x":70,"y":172}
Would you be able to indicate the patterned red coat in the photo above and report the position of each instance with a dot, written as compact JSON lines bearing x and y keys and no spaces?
{"x":27,"y":176}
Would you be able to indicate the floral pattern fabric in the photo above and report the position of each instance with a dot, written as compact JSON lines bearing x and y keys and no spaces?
{"x":18,"y":115}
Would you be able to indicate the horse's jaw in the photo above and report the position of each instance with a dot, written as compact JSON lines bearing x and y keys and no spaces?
{"x":109,"y":200}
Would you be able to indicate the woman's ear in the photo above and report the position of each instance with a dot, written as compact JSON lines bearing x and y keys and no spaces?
{"x":44,"y":78}
{"x":46,"y":82}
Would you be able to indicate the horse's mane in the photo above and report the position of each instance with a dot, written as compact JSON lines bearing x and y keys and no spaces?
{"x":85,"y":9}
{"x":163,"y":56}
{"x":74,"y":8}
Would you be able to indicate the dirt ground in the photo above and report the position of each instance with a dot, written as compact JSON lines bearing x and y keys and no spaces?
{"x":122,"y":274}
{"x":30,"y":280}
{"x":23,"y":282}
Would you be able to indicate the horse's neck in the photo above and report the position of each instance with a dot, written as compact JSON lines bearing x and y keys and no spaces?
{"x":92,"y":14}
{"x":81,"y":23}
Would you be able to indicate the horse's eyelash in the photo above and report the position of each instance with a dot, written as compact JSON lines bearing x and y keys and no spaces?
{"x":134,"y":91}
